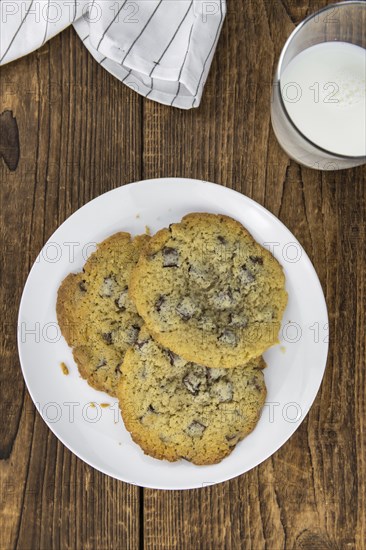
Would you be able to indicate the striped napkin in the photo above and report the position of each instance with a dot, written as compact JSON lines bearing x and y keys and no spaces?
{"x":162,"y":49}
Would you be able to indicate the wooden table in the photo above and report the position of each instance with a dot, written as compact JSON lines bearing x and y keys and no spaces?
{"x":81,"y":133}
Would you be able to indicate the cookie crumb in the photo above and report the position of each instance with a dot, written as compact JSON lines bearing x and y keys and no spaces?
{"x":283,"y":349}
{"x":104,"y":405}
{"x":64,"y":368}
{"x":137,"y":216}
{"x":147,"y":230}
{"x":92,"y":405}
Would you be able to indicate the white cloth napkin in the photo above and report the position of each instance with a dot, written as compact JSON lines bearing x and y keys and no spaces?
{"x":162,"y":49}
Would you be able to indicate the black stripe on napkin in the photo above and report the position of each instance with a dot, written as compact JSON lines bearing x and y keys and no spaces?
{"x":171,"y":40}
{"x":45,"y":32}
{"x":110,"y":24}
{"x":142,"y":31}
{"x":182,"y":66}
{"x":16,"y":34}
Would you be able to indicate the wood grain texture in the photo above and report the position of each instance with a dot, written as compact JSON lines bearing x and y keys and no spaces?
{"x":72,"y":150}
{"x":81,"y":133}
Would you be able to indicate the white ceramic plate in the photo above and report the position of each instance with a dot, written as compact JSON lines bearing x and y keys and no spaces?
{"x":96,"y":434}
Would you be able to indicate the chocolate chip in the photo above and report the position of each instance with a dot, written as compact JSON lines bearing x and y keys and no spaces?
{"x":200,"y":276}
{"x":107,"y":287}
{"x":121,"y":301}
{"x":223,"y":299}
{"x":255,"y":383}
{"x":238,"y":321}
{"x":228,"y":337}
{"x":221,"y":239}
{"x":170,"y":257}
{"x":117,"y":370}
{"x":132,"y":334}
{"x":256,"y":260}
{"x":159,"y":302}
{"x":266,"y":314}
{"x":232,"y":439}
{"x":172,"y":357}
{"x":82,"y":286}
{"x":186,"y":309}
{"x":215,"y":374}
{"x":150,"y":410}
{"x":141,"y":344}
{"x":195,"y":429}
{"x":108,"y":338}
{"x":245,"y":275}
{"x":101,"y":363}
{"x":207,"y":324}
{"x":223,"y":391}
{"x":192,"y":382}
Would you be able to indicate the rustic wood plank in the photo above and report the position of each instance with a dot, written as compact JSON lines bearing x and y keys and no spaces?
{"x":79,"y":132}
{"x":80,"y":135}
{"x":310,"y":494}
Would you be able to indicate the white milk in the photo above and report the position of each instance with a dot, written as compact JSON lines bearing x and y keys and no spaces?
{"x":324,"y":91}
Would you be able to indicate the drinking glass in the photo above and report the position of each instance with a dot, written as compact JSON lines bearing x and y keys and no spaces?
{"x":344,"y":22}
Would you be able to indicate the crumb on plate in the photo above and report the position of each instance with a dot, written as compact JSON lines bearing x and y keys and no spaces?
{"x":64,"y":368}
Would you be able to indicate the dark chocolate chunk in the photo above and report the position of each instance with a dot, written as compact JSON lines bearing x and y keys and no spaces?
{"x":255,"y":383}
{"x":195,"y":429}
{"x":201,"y":276}
{"x":245,"y":275}
{"x":121,"y":301}
{"x":117,"y":370}
{"x":228,"y":337}
{"x":256,"y":260}
{"x":232,"y":439}
{"x":159,"y":302}
{"x":133,"y":334}
{"x":192,"y":382}
{"x":107,"y":287}
{"x":186,"y":309}
{"x":141,"y":344}
{"x":170,"y":257}
{"x":238,"y":321}
{"x":223,"y":391}
{"x":173,"y":357}
{"x":101,"y":363}
{"x":108,"y":338}
{"x":223,"y":299}
{"x":82,"y":286}
{"x":215,"y":374}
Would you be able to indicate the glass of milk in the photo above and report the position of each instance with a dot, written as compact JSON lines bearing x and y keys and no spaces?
{"x":319,"y":94}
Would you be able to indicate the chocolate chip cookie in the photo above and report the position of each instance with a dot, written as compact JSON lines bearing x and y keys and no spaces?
{"x":95,"y":313}
{"x":209,"y":292}
{"x":175,"y":409}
